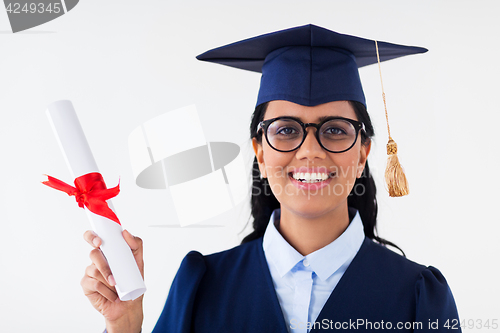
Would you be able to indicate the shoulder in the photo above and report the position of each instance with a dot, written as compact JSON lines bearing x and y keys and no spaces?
{"x":201,"y":280}
{"x":396,"y":271}
{"x":381,"y":259}
{"x":220,"y":278}
{"x":426,"y":283}
{"x":234,"y":258}
{"x":237,"y":253}
{"x":397,"y":265}
{"x":199,"y":283}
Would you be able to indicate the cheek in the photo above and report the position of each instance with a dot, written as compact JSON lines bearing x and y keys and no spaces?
{"x":346,"y":164}
{"x":276,"y":165}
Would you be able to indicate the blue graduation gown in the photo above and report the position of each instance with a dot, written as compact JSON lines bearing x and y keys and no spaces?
{"x":232,"y":291}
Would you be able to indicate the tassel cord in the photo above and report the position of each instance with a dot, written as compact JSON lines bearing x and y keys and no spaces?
{"x":397,"y":185}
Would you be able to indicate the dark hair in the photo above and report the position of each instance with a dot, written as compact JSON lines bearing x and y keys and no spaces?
{"x":263,"y":201}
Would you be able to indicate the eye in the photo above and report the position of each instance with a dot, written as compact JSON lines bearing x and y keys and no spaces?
{"x":334,"y":131}
{"x":337,"y":129}
{"x":286,"y":131}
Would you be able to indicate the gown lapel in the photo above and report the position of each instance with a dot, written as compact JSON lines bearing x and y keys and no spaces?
{"x":270,"y":290}
{"x":343,"y":297}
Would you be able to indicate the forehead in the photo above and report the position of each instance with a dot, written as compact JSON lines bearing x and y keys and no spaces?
{"x":310,"y":113}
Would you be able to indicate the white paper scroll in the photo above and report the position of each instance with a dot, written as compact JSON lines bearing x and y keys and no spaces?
{"x":170,"y":151}
{"x":69,"y":134}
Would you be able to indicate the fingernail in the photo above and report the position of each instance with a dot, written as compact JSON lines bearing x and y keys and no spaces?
{"x":96,"y":242}
{"x":111,"y":280}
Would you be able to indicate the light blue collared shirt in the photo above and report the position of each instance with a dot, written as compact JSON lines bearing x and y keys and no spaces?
{"x":304,"y":283}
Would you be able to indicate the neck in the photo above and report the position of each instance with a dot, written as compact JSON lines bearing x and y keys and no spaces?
{"x":307,"y":234}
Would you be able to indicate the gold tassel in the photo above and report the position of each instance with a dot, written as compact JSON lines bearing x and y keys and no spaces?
{"x":397,"y":185}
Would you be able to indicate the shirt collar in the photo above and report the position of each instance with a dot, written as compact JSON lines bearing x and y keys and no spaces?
{"x":325,"y":261}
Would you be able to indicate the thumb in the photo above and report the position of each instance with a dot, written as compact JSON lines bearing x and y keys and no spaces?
{"x":135,"y":243}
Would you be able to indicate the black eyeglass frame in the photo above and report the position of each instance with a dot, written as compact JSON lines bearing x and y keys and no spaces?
{"x":263,"y":125}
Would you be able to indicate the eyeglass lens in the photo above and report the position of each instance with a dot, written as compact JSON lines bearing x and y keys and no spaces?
{"x":335,"y":135}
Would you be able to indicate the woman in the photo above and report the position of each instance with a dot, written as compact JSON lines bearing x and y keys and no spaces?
{"x":311,"y":264}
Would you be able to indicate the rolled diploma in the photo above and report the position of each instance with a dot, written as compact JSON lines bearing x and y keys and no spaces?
{"x":76,"y":150}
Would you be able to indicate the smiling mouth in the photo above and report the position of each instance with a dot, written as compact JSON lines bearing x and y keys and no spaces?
{"x":315,"y":177}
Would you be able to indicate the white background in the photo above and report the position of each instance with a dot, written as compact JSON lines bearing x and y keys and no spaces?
{"x":124,"y":62}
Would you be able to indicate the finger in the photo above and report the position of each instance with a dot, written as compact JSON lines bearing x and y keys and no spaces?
{"x":92,"y":286}
{"x":93,"y":272}
{"x":102,"y":265}
{"x":92,"y":238}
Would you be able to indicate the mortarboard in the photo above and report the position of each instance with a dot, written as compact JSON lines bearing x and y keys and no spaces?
{"x":310,"y":65}
{"x":307,"y":65}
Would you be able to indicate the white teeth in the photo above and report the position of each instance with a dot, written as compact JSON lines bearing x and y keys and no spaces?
{"x":310,"y":177}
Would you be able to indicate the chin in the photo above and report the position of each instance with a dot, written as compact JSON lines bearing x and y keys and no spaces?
{"x":312,"y":206}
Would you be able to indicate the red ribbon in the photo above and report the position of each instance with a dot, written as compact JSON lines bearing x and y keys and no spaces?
{"x":90,"y":191}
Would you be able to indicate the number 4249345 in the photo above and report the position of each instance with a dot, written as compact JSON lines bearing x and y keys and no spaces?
{"x":33,"y":7}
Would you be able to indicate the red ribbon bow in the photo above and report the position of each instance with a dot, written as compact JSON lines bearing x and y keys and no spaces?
{"x":90,"y":191}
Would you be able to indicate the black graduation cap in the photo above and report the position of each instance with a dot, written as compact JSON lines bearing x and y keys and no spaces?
{"x":307,"y":65}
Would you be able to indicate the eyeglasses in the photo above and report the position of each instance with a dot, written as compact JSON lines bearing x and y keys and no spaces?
{"x":334,"y":134}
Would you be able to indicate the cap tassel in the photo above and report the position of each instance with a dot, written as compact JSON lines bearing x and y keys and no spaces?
{"x":397,"y":185}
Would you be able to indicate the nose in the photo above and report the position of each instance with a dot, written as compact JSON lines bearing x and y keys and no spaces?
{"x":310,"y":148}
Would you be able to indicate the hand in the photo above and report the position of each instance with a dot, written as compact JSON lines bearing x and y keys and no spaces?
{"x":98,"y":285}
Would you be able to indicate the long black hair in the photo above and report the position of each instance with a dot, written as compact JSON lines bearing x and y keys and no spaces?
{"x":362,"y":197}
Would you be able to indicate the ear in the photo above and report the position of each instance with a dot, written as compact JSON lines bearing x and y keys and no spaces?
{"x":259,"y":153}
{"x":363,"y":156}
